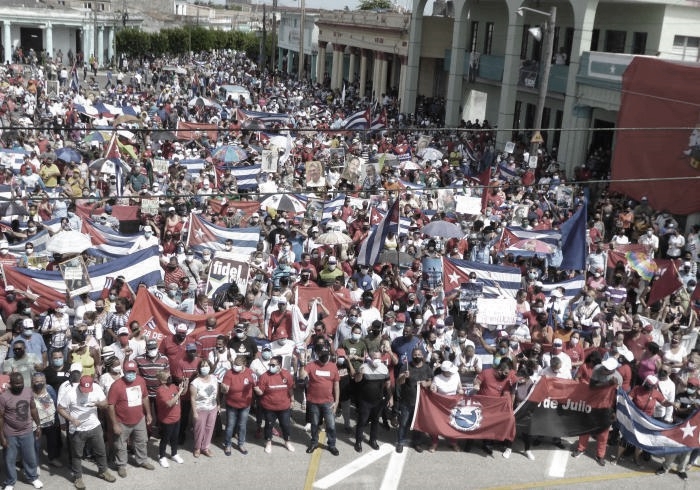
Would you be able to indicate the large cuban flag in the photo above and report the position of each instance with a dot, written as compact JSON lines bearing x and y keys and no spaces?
{"x":656,"y":437}
{"x":203,"y":234}
{"x":47,"y":287}
{"x":456,"y":272}
{"x":107,"y":244}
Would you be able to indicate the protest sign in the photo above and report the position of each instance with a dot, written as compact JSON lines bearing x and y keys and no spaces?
{"x":468,"y":205}
{"x":226,"y":269}
{"x":496,"y":311}
{"x":469,"y":293}
{"x":160,"y":166}
{"x":75,"y":274}
{"x":150,"y":206}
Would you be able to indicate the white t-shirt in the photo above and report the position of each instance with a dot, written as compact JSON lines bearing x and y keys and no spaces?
{"x":447,"y":385}
{"x":82,"y":406}
{"x":206,"y":392}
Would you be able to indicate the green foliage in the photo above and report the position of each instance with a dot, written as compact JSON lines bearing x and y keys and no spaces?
{"x":181,"y":40}
{"x":375,"y":4}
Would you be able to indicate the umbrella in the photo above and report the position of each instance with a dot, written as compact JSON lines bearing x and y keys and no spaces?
{"x":230,"y":154}
{"x":69,"y":155}
{"x":127,"y":119}
{"x":255,"y":124}
{"x":98,"y":136}
{"x":333,"y":238}
{"x":284,"y":203}
{"x":430,"y":154}
{"x":394,"y":257}
{"x":443,"y":229}
{"x":410,"y":165}
{"x":533,"y":245}
{"x":68,"y":242}
{"x":642,"y":264}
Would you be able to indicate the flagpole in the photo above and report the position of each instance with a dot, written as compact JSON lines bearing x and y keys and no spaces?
{"x":189,"y":230}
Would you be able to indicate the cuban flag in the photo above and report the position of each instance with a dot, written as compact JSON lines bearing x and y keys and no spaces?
{"x":455,"y":272}
{"x":652,"y":436}
{"x":507,"y":173}
{"x":48,"y":287}
{"x":374,"y":243}
{"x":359,"y":120}
{"x":203,"y":234}
{"x":335,"y":204}
{"x":103,"y":244}
{"x":39,"y":241}
{"x":404,"y":222}
{"x":380,"y":121}
{"x":267,"y":118}
{"x":247,"y":177}
{"x":14,"y":159}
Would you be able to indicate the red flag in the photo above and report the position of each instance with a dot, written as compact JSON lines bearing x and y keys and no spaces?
{"x":335,"y":303}
{"x":112,"y":150}
{"x":508,"y":238}
{"x":465,"y":417}
{"x":673,"y":104}
{"x":666,"y":284}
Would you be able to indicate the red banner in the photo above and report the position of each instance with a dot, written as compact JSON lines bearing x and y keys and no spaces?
{"x":244,"y":208}
{"x":649,"y":102}
{"x":335,"y":303}
{"x":159,"y":321}
{"x":465,"y":417}
{"x":186,"y":130}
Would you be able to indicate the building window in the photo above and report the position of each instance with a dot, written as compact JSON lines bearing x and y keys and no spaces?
{"x":516,"y":115}
{"x":686,"y":48}
{"x":639,"y":43}
{"x":488,"y":38}
{"x":615,"y":41}
{"x":595,"y":36}
{"x":558,"y":121}
{"x":524,"y":42}
{"x":474,"y":36}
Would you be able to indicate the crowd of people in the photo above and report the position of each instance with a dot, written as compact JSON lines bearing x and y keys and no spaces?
{"x":86,"y":368}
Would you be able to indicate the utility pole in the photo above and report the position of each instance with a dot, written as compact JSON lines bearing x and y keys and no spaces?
{"x":274,"y":35}
{"x":300,"y":75}
{"x":264,"y":39}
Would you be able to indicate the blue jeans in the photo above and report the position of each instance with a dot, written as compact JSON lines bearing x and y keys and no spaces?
{"x":285,"y":419}
{"x":325,"y":409}
{"x":25,"y":445}
{"x":236,"y":418}
{"x":405,"y":418}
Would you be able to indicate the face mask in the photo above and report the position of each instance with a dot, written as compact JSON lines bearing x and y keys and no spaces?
{"x":376,"y":362}
{"x":514,"y":345}
{"x":58,"y":362}
{"x":417,"y":360}
{"x":574,"y":341}
{"x":112,"y":297}
{"x":19,"y":353}
{"x":356,"y":336}
{"x":236,"y":368}
{"x":147,"y":234}
{"x":647,"y":386}
{"x":280,"y":342}
{"x":341,"y":361}
{"x":274,"y":369}
{"x":503,"y":350}
{"x":539,"y":309}
{"x":324,"y":358}
{"x":27,"y":332}
{"x":532,"y":275}
{"x":180,"y":337}
{"x":206,"y":258}
{"x":266,"y":355}
{"x":129,"y":377}
{"x":418,"y":322}
{"x":331,"y":267}
{"x":152,"y":352}
{"x":240,"y":335}
{"x":204,"y":370}
{"x":38,"y":386}
{"x":589,"y":300}
{"x":16,"y":390}
{"x":690,"y":391}
{"x":691,"y":289}
{"x":189,"y":257}
{"x":99,"y":309}
{"x":597,"y":274}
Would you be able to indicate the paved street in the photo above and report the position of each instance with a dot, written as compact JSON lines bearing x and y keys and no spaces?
{"x":383,"y":469}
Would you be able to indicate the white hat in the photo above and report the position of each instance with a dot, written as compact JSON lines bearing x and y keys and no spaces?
{"x":628,"y":355}
{"x":147,"y":228}
{"x":556,"y":293}
{"x":652,"y":380}
{"x":448,"y":367}
{"x":610,"y":364}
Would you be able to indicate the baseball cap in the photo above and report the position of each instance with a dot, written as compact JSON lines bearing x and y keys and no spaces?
{"x":332,"y":260}
{"x":556,"y":293}
{"x":130,"y":367}
{"x":693,"y":382}
{"x":181,"y":327}
{"x":123,"y":331}
{"x":266,"y":346}
{"x":147,"y":228}
{"x":610,"y":364}
{"x":504,"y":335}
{"x":558,"y":342}
{"x":448,"y":367}
{"x":389,"y":314}
{"x":282,"y":300}
{"x":191,"y":347}
{"x":76,"y":366}
{"x":628,"y":355}
{"x":652,"y":380}
{"x":86,"y":384}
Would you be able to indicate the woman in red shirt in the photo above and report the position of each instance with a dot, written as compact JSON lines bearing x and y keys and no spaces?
{"x":275,"y":389}
{"x":168,"y":411}
{"x":237,"y":387}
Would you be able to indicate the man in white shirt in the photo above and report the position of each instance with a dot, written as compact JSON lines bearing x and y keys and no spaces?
{"x":78,"y":406}
{"x":147,"y":240}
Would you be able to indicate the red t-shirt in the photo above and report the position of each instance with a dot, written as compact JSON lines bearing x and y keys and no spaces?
{"x":625,"y":371}
{"x":128,"y":400}
{"x":280,"y":325}
{"x":166,"y":414}
{"x":493,"y":386}
{"x":240,"y":388}
{"x":645,"y":399}
{"x":321,"y":381}
{"x":277,"y":389}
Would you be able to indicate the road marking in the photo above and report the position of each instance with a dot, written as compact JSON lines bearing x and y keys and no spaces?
{"x":573,"y":481}
{"x":557,"y":468}
{"x":314,"y":463}
{"x":353,"y":467}
{"x":392,"y":475}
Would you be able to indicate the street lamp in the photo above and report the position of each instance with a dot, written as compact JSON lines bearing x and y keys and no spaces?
{"x":547,"y":57}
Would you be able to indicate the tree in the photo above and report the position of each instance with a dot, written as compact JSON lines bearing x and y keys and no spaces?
{"x":375,"y":4}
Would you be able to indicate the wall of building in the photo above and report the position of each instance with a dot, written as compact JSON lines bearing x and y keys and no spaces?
{"x":676,"y":23}
{"x":631,"y":18}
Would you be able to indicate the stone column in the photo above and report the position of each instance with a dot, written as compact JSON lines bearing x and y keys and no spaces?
{"x":100,"y":46}
{"x":290,"y":61}
{"x":352,"y":65}
{"x":511,"y":66}
{"x":7,"y":39}
{"x":402,"y":77}
{"x":321,"y":61}
{"x":87,"y":34}
{"x":408,"y":104}
{"x":363,"y":72}
{"x":339,"y":50}
{"x":456,"y":75}
{"x":573,"y":144}
{"x":48,"y":42}
{"x":382,"y":75}
{"x":110,"y":44}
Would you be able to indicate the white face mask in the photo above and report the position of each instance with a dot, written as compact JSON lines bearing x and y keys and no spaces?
{"x":237,"y":368}
{"x":152,"y":352}
{"x":376,"y":362}
{"x":331,"y":267}
{"x":574,"y":341}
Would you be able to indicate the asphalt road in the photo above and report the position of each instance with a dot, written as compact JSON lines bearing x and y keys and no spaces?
{"x":383,"y":469}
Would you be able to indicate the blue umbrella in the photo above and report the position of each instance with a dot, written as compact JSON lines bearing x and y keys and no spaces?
{"x":230,"y":154}
{"x":69,"y":155}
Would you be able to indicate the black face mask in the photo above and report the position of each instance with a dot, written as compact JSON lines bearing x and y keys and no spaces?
{"x":19,"y":353}
{"x":417,"y":360}
{"x":324,"y":358}
{"x":16,"y":390}
{"x":38,"y":386}
{"x":180,"y":337}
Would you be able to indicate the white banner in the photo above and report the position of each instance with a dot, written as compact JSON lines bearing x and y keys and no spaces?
{"x":468,"y":205}
{"x":496,"y":311}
